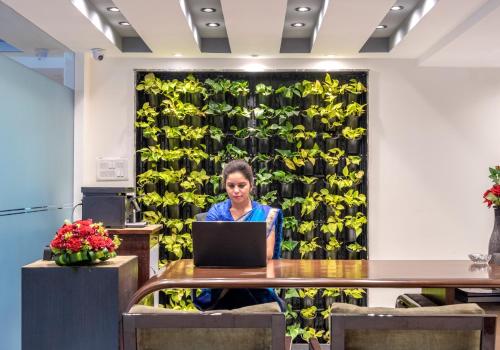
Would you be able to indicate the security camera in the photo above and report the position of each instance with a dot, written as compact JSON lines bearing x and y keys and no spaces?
{"x":98,"y":54}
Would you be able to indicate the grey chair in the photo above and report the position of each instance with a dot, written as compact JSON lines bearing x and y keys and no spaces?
{"x":201,"y":216}
{"x":449,"y":327}
{"x":148,"y":328}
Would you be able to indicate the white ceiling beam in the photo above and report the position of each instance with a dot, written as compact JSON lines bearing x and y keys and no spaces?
{"x":347,"y":25}
{"x":161,"y":24}
{"x":254,"y":27}
{"x":64,"y":22}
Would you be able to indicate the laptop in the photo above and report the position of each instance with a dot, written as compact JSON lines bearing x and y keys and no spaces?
{"x":229,"y":244}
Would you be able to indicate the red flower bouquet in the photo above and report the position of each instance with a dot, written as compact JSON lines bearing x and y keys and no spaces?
{"x":83,"y":242}
{"x":492,"y":195}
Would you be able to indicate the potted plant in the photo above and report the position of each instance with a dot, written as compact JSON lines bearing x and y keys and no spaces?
{"x":217,"y":112}
{"x":354,"y":226}
{"x":331,"y":88}
{"x":239,"y":89}
{"x":353,"y":111}
{"x":261,"y":160}
{"x":286,"y":114}
{"x":233,"y":152}
{"x":173,"y":157}
{"x":332,"y":116}
{"x":262,"y":180}
{"x":312,"y":91}
{"x":308,"y":116}
{"x":308,"y":295}
{"x":151,"y":85}
{"x":196,"y":201}
{"x":195,"y":156}
{"x":269,"y":198}
{"x":287,"y":93}
{"x":172,"y":178}
{"x":173,"y":135}
{"x":290,"y":225}
{"x":333,"y":203}
{"x":221,"y":197}
{"x":288,"y":205}
{"x":286,"y":180}
{"x":303,"y":138}
{"x":330,"y":141}
{"x":215,"y":182}
{"x":351,"y":164}
{"x":353,"y":136}
{"x":307,"y":229}
{"x":353,"y":250}
{"x":285,"y":133}
{"x":264,"y":115}
{"x":195,"y":180}
{"x":309,"y":205}
{"x":147,"y":180}
{"x":151,"y":156}
{"x":332,"y":225}
{"x":287,"y":248}
{"x":353,"y":199}
{"x":193,"y":90}
{"x":216,"y":136}
{"x":331,"y":295}
{"x":263,"y":133}
{"x":332,"y":158}
{"x":171,"y":201}
{"x":263,"y":93}
{"x":308,"y":183}
{"x":354,"y":88}
{"x":195,"y":135}
{"x":306,"y":249}
{"x":240,"y":116}
{"x":147,"y":120}
{"x":307,"y":158}
{"x":241,"y":136}
{"x":217,"y":89}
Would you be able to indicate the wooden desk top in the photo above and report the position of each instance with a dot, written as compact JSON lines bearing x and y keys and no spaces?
{"x":147,"y":230}
{"x":327,"y":273}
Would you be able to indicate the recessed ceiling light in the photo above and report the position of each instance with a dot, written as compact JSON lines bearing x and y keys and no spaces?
{"x":208,"y":9}
{"x":113,"y":9}
{"x":177,"y":55}
{"x":330,"y":55}
{"x":382,"y":26}
{"x":397,"y":8}
{"x":298,"y":24}
{"x":124,"y":23}
{"x":213,"y":24}
{"x":302,"y":9}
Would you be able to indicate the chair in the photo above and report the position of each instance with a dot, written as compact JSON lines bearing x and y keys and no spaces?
{"x":249,"y":328}
{"x":449,"y":327}
{"x":201,"y":216}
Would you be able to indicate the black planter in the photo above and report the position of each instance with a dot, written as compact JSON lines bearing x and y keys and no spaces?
{"x":241,"y":143}
{"x":154,"y":100}
{"x":331,"y":142}
{"x":331,"y":254}
{"x":174,"y":164}
{"x":173,"y":143}
{"x":263,"y":145}
{"x":352,"y":210}
{"x":308,"y":169}
{"x":308,"y":236}
{"x":262,"y":165}
{"x":263,"y":189}
{"x":330,"y":169}
{"x":195,"y":99}
{"x":286,"y":190}
{"x":308,"y":123}
{"x":195,"y":143}
{"x":283,"y":101}
{"x":287,"y":234}
{"x":263,"y":100}
{"x":172,"y":120}
{"x":215,"y":146}
{"x":242,"y":100}
{"x":284,"y":144}
{"x":349,"y":235}
{"x":352,"y":255}
{"x":353,"y":146}
{"x":173,"y":211}
{"x":241,"y":122}
{"x":217,"y":121}
{"x":173,"y":187}
{"x":149,"y":187}
{"x":352,"y":98}
{"x":307,"y":302}
{"x":195,"y":121}
{"x":193,"y":166}
{"x":352,"y":121}
{"x":194,"y":210}
{"x":219,"y":97}
{"x":308,"y":143}
{"x":285,"y":254}
{"x":311,"y":100}
{"x":307,"y":322}
{"x":307,"y":188}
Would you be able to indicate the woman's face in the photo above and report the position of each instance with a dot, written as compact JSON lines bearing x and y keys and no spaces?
{"x":238,"y":187}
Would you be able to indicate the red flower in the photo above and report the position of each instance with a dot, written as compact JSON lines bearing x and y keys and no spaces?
{"x":74,"y":244}
{"x":492,"y":196}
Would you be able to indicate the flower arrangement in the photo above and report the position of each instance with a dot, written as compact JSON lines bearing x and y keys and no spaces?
{"x":82,"y":243}
{"x":492,"y":195}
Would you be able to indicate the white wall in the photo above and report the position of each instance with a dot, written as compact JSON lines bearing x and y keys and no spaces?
{"x":433,"y":134}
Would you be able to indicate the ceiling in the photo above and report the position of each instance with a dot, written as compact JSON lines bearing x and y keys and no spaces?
{"x":450,"y":33}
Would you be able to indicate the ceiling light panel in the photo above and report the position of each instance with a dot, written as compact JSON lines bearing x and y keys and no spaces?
{"x":300,"y":22}
{"x":128,"y":40}
{"x":208,"y":26}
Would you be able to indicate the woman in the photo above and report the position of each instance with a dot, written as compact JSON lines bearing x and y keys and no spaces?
{"x":238,"y":180}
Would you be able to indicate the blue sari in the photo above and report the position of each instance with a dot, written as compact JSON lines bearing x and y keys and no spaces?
{"x":235,"y":298}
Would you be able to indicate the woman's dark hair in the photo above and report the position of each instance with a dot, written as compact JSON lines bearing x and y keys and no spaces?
{"x":238,"y":165}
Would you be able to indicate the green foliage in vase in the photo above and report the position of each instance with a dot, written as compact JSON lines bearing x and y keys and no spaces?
{"x":194,"y":179}
{"x":356,"y":247}
{"x":195,"y":155}
{"x":269,"y":198}
{"x":180,"y":109}
{"x":311,"y":88}
{"x":198,"y":200}
{"x":300,"y":135}
{"x":356,"y":293}
{"x":333,"y":244}
{"x":355,"y":222}
{"x":239,"y":88}
{"x":191,"y":85}
{"x":284,"y":114}
{"x":354,"y":198}
{"x":332,"y":225}
{"x":310,"y":203}
{"x":308,"y":292}
{"x":353,"y":134}
{"x":355,"y":109}
{"x":309,"y":312}
{"x":306,"y":226}
{"x":214,"y":108}
{"x":180,"y":299}
{"x":239,"y":111}
{"x":216,"y":133}
{"x":150,"y":84}
{"x":288,"y":91}
{"x":221,"y":197}
{"x":284,"y":177}
{"x":233,"y":152}
{"x":218,"y":86}
{"x":263,"y":177}
{"x":308,"y":247}
{"x":288,"y":245}
{"x":331,"y":88}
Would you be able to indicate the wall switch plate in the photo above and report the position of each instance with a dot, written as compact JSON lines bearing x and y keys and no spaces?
{"x":112,"y":169}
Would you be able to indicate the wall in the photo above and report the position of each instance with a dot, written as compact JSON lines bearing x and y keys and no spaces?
{"x":36,"y":169}
{"x":433,"y":134}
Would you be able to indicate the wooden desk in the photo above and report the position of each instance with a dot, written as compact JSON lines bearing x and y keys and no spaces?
{"x":327,"y":273}
{"x":143,"y":242}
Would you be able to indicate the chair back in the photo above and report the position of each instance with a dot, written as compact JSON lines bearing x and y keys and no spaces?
{"x":450,"y":327}
{"x":174,"y":330}
{"x":201,"y":216}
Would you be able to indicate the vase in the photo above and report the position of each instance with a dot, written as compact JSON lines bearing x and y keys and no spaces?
{"x":494,"y":245}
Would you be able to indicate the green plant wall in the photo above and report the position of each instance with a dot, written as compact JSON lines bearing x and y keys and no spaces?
{"x":305,"y":135}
